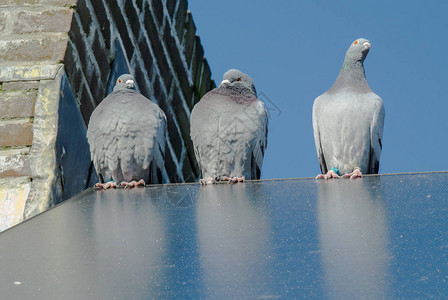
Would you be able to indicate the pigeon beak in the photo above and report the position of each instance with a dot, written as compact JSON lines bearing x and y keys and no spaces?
{"x":130,"y":83}
{"x":225,"y":81}
{"x":367,"y":45}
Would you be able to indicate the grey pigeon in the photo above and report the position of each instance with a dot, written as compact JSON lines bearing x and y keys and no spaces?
{"x":348,"y":121}
{"x":127,"y":136}
{"x":229,"y":128}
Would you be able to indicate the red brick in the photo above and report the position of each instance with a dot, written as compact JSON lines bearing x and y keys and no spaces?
{"x":55,"y":20}
{"x":20,"y":85}
{"x":50,"y":49}
{"x":14,"y":165}
{"x":12,"y":134}
{"x":17,"y":104}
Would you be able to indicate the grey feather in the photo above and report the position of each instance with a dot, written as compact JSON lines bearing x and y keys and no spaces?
{"x":127,"y":135}
{"x":348,"y":119}
{"x":229,"y":129}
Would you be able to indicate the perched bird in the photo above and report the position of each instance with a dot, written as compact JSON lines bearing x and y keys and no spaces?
{"x":348,"y":121}
{"x":229,"y":128}
{"x":127,"y":136}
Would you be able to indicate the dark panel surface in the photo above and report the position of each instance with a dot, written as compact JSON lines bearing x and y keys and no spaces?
{"x":375,"y":237}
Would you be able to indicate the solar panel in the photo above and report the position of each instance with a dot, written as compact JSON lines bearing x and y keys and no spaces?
{"x":376,"y":237}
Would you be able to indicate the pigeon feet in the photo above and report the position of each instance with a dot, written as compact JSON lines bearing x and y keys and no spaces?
{"x":355,"y":174}
{"x":213,"y":180}
{"x":231,"y":180}
{"x":209,"y":180}
{"x":107,"y":185}
{"x":330,"y":174}
{"x":133,"y":183}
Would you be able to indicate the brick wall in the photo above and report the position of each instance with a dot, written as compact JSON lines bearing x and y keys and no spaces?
{"x":58,"y":60}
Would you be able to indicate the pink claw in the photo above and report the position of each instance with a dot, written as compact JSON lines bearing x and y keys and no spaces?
{"x":355,"y":174}
{"x":106,"y":185}
{"x":330,"y":174}
{"x":133,"y":183}
{"x":206,"y":181}
{"x":231,"y":180}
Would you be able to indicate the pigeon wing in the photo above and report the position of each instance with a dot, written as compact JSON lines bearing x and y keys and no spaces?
{"x":316,"y":130}
{"x":376,"y":136}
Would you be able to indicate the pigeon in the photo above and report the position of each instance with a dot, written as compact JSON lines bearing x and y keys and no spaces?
{"x":229,"y":128}
{"x":127,"y":136}
{"x":348,"y":121}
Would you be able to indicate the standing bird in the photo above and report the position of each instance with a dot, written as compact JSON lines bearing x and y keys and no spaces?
{"x":348,"y":121}
{"x":127,"y":136}
{"x":229,"y":128}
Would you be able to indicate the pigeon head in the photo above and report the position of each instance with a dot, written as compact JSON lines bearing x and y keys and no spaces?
{"x":358,"y":50}
{"x":239,"y":82}
{"x":125,"y":82}
{"x":352,"y":73}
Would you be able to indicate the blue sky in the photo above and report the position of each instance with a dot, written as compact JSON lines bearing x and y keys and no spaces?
{"x":294,"y":49}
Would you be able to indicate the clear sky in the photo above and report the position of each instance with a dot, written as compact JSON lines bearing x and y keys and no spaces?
{"x":294,"y":49}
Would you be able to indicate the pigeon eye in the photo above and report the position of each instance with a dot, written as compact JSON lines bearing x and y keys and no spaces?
{"x":119,"y":80}
{"x":356,"y":42}
{"x":239,"y":79}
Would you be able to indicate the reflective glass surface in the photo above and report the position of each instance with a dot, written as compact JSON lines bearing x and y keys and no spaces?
{"x":376,"y":237}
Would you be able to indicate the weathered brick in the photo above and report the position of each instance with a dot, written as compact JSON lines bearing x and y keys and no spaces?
{"x":180,"y":18}
{"x":52,"y":20}
{"x":157,"y":8}
{"x":21,"y":2}
{"x":14,"y":165}
{"x":37,"y":49}
{"x":17,"y":104}
{"x":16,"y":134}
{"x":61,"y":3}
{"x":20,"y":85}
{"x":132,"y":16}
{"x":3,"y":20}
{"x":189,"y":39}
{"x":64,"y":3}
{"x":84,"y":15}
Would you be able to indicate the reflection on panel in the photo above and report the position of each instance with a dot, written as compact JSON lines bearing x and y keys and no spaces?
{"x":353,"y":237}
{"x":233,"y":239}
{"x":118,"y":229}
